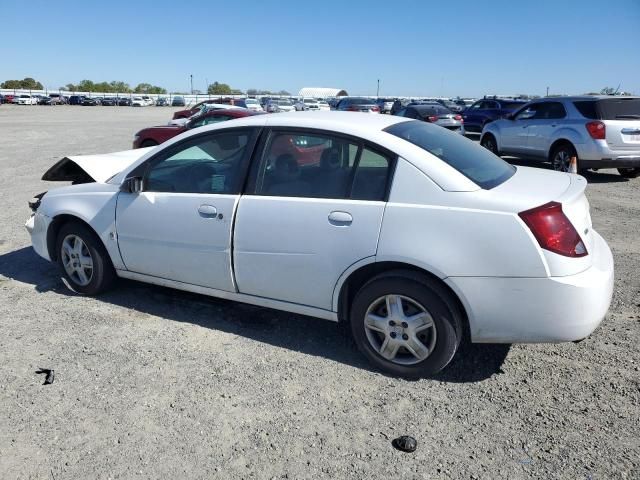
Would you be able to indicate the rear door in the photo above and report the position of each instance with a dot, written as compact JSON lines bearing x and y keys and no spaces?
{"x":300,"y":225}
{"x":549,"y":117}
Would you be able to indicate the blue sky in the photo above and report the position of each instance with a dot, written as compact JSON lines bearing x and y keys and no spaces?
{"x":439,"y":48}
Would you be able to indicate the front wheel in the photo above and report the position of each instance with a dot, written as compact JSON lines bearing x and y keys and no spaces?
{"x":83,"y":259}
{"x":406,"y":324}
{"x":629,"y":172}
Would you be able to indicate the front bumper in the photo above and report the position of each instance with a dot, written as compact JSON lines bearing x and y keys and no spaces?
{"x":37,"y":226}
{"x":532,"y":310}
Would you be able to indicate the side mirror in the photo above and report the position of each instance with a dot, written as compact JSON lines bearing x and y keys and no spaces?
{"x":131,"y":185}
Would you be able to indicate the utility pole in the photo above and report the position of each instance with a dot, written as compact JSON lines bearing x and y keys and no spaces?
{"x":191,"y":80}
{"x":378,"y":90}
{"x":547,"y":91}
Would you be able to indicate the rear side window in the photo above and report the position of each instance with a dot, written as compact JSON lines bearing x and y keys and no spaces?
{"x":587,"y":109}
{"x":475,"y":162}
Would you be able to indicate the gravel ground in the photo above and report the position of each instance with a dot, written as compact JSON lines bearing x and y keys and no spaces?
{"x":156,"y":383}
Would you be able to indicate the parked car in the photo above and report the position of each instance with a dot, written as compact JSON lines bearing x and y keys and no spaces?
{"x":198,"y":107}
{"x":76,"y":99}
{"x":90,"y":101}
{"x":253,"y":105}
{"x":162,"y":102}
{"x":436,"y":114}
{"x":358,"y":104}
{"x":109,"y":102}
{"x":152,"y":136}
{"x":7,"y":98}
{"x":385,"y":104}
{"x":178,"y":101}
{"x":415,"y":236}
{"x":283,"y":104}
{"x":25,"y":99}
{"x":124,"y":102}
{"x":324,"y":106}
{"x":600,"y":131}
{"x":148,"y":101}
{"x":487,"y":110}
{"x":203,"y":108}
{"x":138,"y":102}
{"x":451,"y":105}
{"x":58,"y":99}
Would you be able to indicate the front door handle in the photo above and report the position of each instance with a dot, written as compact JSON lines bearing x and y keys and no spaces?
{"x":207,"y":211}
{"x":340,"y":219}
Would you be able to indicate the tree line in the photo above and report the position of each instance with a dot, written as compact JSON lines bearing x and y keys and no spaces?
{"x":112,"y":87}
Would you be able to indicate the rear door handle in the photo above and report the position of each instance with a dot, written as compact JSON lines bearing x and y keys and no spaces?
{"x":207,"y":211}
{"x":340,"y":219}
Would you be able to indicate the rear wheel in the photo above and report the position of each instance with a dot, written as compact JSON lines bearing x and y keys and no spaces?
{"x":83,"y":259}
{"x":561,"y":157}
{"x":406,"y":324}
{"x":489,"y":142}
{"x":149,"y":143}
{"x":629,"y":172}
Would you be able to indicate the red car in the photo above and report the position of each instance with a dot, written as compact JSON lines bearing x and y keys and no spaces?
{"x":238,"y":102}
{"x":152,"y":136}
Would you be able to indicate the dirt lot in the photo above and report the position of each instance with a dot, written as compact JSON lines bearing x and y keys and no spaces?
{"x":155,"y":383}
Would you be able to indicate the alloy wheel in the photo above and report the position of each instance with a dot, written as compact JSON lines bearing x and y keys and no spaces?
{"x":400,"y":329}
{"x":561,"y":161}
{"x":77,"y":260}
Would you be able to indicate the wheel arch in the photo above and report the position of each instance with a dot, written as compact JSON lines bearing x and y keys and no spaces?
{"x":56,"y":224}
{"x":557,"y":143}
{"x":359,"y":274}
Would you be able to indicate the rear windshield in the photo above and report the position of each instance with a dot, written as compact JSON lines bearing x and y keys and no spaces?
{"x":361,"y":101}
{"x":475,"y":162}
{"x":512,"y":105}
{"x":619,"y":108}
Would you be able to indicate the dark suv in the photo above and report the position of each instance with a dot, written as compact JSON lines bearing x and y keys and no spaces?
{"x":358,"y":104}
{"x":487,"y":110}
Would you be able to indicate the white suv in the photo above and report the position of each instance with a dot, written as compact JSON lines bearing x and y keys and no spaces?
{"x":601,"y":131}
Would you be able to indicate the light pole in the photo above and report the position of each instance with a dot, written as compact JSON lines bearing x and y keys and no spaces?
{"x":378,"y":90}
{"x":547,"y":91}
{"x":191,"y":81}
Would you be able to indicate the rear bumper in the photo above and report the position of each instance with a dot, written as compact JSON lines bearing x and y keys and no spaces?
{"x":616,"y":162}
{"x":532,"y":310}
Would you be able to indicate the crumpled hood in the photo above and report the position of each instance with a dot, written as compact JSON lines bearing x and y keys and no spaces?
{"x":99,"y":168}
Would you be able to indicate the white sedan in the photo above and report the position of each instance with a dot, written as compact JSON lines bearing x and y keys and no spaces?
{"x":26,"y":100}
{"x":414,"y":235}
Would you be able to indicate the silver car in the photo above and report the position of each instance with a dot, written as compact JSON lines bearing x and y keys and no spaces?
{"x":600,"y":131}
{"x":434,"y":113}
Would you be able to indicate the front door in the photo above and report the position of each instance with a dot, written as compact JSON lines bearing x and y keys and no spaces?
{"x":179,"y":227}
{"x":303,"y":223}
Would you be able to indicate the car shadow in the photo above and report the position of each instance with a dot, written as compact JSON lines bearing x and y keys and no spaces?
{"x":601,"y":176}
{"x":307,"y":335}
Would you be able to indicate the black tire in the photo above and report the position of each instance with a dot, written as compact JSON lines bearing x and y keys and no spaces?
{"x":103,"y":274}
{"x":561,"y":155}
{"x":488,"y":141}
{"x":629,"y":172}
{"x":443,"y":309}
{"x":148,"y":143}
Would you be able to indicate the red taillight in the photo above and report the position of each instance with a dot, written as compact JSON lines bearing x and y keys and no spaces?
{"x":375,"y":109}
{"x":597,"y":130}
{"x":553,"y":230}
{"x":432,"y":118}
{"x":458,"y":117}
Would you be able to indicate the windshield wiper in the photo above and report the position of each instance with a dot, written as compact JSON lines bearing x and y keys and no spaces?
{"x":627,"y":116}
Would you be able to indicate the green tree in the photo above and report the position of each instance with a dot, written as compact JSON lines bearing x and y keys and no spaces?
{"x":27,"y":83}
{"x":219,"y":89}
{"x":86,"y":86}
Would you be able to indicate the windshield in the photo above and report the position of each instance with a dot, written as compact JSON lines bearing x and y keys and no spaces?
{"x":284,"y":101}
{"x":475,"y":162}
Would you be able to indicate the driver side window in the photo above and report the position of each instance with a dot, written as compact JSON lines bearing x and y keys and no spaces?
{"x":526,"y":113}
{"x":207,"y":164}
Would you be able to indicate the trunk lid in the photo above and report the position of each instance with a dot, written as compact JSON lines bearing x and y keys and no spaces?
{"x":533,"y":187}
